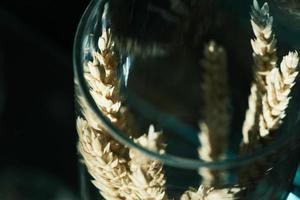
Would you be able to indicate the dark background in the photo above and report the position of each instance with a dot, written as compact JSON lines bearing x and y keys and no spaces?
{"x":37,"y":132}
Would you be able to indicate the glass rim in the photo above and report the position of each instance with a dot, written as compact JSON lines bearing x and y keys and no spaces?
{"x":169,"y":159}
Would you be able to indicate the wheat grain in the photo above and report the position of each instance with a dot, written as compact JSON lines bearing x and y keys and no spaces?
{"x":216,"y":116}
{"x":265,"y":58}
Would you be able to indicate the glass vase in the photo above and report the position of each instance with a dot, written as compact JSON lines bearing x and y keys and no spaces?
{"x":175,"y":99}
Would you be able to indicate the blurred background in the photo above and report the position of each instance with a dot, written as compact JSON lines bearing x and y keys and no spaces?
{"x":37,"y":133}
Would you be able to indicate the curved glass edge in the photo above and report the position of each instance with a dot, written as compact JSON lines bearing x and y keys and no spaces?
{"x":166,"y":158}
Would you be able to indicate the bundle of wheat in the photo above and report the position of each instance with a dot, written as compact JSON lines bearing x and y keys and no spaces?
{"x":269,"y":93}
{"x":120,"y":172}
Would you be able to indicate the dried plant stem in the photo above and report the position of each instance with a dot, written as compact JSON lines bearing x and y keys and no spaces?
{"x":265,"y":58}
{"x":116,"y":174}
{"x":216,"y":116}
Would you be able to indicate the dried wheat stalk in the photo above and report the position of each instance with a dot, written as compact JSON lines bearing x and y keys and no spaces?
{"x":267,"y":103}
{"x":122,"y":173}
{"x":148,"y":181}
{"x":214,"y":125}
{"x":104,"y":157}
{"x":116,"y":177}
{"x":216,"y":116}
{"x":279,"y":83}
{"x":268,"y":100}
{"x":109,"y":171}
{"x":104,"y":88}
{"x":101,"y":76}
{"x":265,"y":58}
{"x":264,"y":55}
{"x":107,"y":160}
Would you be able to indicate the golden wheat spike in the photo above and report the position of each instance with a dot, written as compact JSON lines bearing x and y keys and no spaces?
{"x":276,"y":100}
{"x":265,"y":59}
{"x":216,"y":116}
{"x":115,"y":168}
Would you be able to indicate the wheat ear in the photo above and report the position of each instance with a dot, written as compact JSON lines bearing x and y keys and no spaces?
{"x":279,"y":83}
{"x":107,"y":160}
{"x":265,"y":58}
{"x":209,"y":193}
{"x":116,"y":177}
{"x":147,"y":176}
{"x":101,"y":75}
{"x":214,"y":127}
{"x":216,"y":116}
{"x":109,"y":171}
